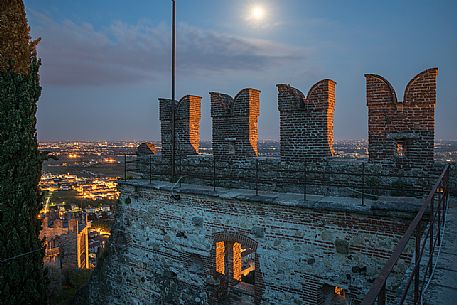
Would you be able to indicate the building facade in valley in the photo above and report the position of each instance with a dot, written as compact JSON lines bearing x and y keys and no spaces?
{"x":66,"y":240}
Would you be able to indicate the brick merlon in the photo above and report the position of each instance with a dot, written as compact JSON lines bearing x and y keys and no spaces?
{"x":425,"y":79}
{"x":298,"y":99}
{"x":223,"y":104}
{"x":378,"y":85}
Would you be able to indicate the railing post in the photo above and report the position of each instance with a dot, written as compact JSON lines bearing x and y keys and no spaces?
{"x":432,"y":223}
{"x":363,"y":184}
{"x":446,"y":190}
{"x":214,"y":173}
{"x":125,"y":167}
{"x":150,"y":169}
{"x":304,"y":180}
{"x":257,"y":176}
{"x":440,"y":198}
{"x":382,"y":295}
{"x":417,"y":264}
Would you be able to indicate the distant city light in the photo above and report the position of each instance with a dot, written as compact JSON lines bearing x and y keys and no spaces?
{"x":109,"y":160}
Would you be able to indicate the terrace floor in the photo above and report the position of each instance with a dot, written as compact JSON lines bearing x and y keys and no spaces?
{"x":443,"y":286}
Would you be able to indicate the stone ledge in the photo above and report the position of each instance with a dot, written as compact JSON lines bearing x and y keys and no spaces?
{"x":384,"y":206}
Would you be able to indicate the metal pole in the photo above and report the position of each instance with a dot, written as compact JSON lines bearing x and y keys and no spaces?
{"x":257,"y":176}
{"x":440,"y":197}
{"x":214,"y":173}
{"x":125,"y":167}
{"x":304,"y":180}
{"x":150,"y":169}
{"x":363,"y":183}
{"x":417,"y":264}
{"x":432,"y":223}
{"x":382,"y":295}
{"x":173,"y":97}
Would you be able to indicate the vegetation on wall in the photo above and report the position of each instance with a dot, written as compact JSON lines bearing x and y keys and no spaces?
{"x":22,"y":279}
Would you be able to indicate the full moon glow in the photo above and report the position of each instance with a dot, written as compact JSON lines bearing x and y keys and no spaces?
{"x":257,"y":13}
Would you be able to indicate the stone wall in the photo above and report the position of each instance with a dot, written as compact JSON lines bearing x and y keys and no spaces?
{"x":402,"y":132}
{"x":306,"y":122}
{"x":235,"y":124}
{"x":187,"y":118}
{"x":334,"y":176}
{"x":163,"y":248}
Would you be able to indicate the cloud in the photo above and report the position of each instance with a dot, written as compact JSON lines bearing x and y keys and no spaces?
{"x":78,"y":54}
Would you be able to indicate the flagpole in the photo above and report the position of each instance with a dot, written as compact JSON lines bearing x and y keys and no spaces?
{"x":173,"y":96}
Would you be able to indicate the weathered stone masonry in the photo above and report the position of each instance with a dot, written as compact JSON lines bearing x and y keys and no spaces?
{"x":402,"y":132}
{"x":306,"y":122}
{"x":163,"y":248}
{"x":235,"y":124}
{"x":187,"y":117}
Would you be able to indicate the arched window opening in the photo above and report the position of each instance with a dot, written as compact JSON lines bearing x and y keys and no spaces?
{"x":235,"y":259}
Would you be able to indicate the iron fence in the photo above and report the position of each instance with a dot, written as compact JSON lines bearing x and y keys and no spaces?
{"x":422,"y":231}
{"x":259,"y":176}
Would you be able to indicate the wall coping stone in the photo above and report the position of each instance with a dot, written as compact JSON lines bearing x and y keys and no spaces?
{"x":403,"y":207}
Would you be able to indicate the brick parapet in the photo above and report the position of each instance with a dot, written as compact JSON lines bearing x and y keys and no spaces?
{"x":187,"y":116}
{"x":235,"y":124}
{"x":409,"y":123}
{"x":306,"y":122}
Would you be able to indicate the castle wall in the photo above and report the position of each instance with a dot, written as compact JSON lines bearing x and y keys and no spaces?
{"x":163,"y":249}
{"x":335,"y":176}
{"x":306,"y":122}
{"x":235,"y":124}
{"x":402,"y":132}
{"x":187,"y":118}
{"x":311,"y":226}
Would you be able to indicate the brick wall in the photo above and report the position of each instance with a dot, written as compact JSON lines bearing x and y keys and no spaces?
{"x":187,"y":117}
{"x":235,"y":124}
{"x":306,"y":122}
{"x":162,"y":250}
{"x":408,"y":125}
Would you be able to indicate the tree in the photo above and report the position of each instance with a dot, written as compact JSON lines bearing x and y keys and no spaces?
{"x":22,"y":278}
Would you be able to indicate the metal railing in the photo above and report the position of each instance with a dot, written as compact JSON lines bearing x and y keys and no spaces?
{"x":357,"y":180}
{"x":257,"y":175}
{"x":434,"y":207}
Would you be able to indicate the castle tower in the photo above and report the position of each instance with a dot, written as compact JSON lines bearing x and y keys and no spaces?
{"x":306,"y":122}
{"x":187,"y":117}
{"x":235,"y":124}
{"x":402,"y":131}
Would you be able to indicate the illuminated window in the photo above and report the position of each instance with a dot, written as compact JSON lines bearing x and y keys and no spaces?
{"x":237,"y":265}
{"x":220,"y":255}
{"x":242,"y":264}
{"x":334,"y":295}
{"x":400,"y":148}
{"x":339,"y":291}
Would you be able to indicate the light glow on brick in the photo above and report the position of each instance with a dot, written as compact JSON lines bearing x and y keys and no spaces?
{"x":220,"y":254}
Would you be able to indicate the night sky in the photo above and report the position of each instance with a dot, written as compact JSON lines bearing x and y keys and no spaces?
{"x":106,"y":62}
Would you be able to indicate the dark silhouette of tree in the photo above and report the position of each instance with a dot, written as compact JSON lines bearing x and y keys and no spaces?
{"x":22,"y":279}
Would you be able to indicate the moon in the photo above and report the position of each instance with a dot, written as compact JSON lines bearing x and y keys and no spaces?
{"x":257,"y":13}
